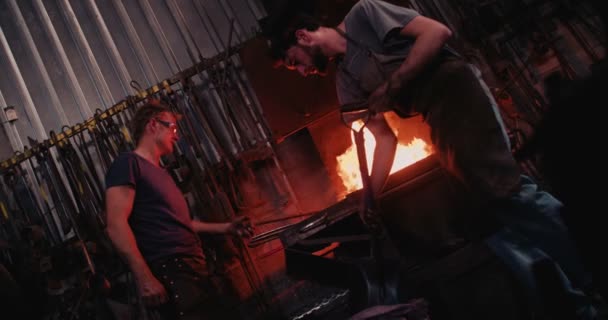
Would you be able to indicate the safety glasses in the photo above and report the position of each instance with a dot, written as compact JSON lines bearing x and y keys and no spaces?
{"x":169,"y":125}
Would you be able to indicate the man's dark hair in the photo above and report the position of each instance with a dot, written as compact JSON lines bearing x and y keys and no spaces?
{"x":144,"y":114}
{"x":282,"y":33}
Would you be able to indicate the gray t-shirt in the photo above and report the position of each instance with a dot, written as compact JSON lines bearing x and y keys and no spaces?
{"x":371,"y":25}
{"x":160,"y":218}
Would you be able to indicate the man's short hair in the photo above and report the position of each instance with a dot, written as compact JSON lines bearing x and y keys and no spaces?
{"x":144,"y":114}
{"x":283,"y":34}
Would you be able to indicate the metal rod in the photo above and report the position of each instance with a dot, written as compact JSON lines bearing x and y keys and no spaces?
{"x":31,"y":46}
{"x":184,"y":31}
{"x":286,"y":180}
{"x":269,"y":235}
{"x":283,"y":218}
{"x":156,"y":29}
{"x":214,"y":90}
{"x":87,"y":53}
{"x":142,"y":55}
{"x":252,"y":104}
{"x":28,"y":103}
{"x":213,"y":37}
{"x":203,"y":11}
{"x":81,"y":101}
{"x":117,"y":61}
{"x":187,"y":29}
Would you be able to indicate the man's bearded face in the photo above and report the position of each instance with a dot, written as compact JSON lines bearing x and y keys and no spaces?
{"x":306,"y":60}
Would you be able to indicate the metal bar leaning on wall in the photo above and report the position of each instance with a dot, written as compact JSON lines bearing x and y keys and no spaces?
{"x":197,"y":110}
{"x":218,"y":76}
{"x":188,"y":84}
{"x":57,"y":231}
{"x":83,"y":147}
{"x":11,"y":231}
{"x":57,"y":187}
{"x":218,"y":195}
{"x":45,"y":216}
{"x":229,"y":129}
{"x":227,"y":50}
{"x":235,"y":134}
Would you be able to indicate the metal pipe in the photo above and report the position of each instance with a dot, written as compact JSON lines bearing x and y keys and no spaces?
{"x":203,"y":119}
{"x":275,"y":160}
{"x":235,"y":135}
{"x":220,"y":93}
{"x":277,"y":163}
{"x":157,"y":30}
{"x":214,"y":90}
{"x":292,"y":193}
{"x":81,"y":101}
{"x":283,"y":218}
{"x":188,"y":132}
{"x":244,"y":93}
{"x":213,"y":37}
{"x":251,"y":102}
{"x":152,"y":18}
{"x":31,"y":46}
{"x":117,"y":61}
{"x":269,"y":235}
{"x":229,"y":130}
{"x":52,"y":224}
{"x":238,"y":116}
{"x":87,"y":53}
{"x":142,"y":55}
{"x":185,"y":26}
{"x":184,"y":31}
{"x":28,"y":103}
{"x":203,"y":11}
{"x":10,"y":128}
{"x":224,"y":94}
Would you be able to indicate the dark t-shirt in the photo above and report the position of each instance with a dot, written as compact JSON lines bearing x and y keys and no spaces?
{"x":160,"y":218}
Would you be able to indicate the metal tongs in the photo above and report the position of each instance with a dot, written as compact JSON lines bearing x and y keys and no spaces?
{"x":384,"y":253}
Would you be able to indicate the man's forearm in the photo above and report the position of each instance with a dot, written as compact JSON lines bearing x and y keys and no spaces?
{"x":384,"y":156}
{"x":425,"y":49}
{"x":122,"y":237}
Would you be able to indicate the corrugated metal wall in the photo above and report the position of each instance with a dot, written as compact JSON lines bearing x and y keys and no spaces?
{"x":63,"y":59}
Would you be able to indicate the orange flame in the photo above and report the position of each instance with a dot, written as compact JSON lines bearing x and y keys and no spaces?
{"x":348,"y":163}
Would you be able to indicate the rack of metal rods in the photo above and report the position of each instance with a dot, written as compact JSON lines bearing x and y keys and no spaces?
{"x":57,"y":184}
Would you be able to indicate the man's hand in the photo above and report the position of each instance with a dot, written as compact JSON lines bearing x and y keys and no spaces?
{"x":151,"y":290}
{"x":241,"y":227}
{"x":430,"y":36}
{"x":383,"y":98}
{"x":368,"y":215}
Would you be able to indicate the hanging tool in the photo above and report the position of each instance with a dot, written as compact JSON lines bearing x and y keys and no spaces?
{"x":58,"y":232}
